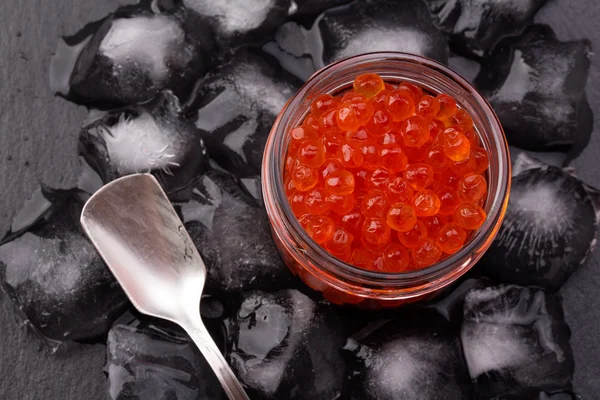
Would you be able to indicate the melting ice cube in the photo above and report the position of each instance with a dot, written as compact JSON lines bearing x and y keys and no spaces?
{"x":128,"y":57}
{"x":151,"y":137}
{"x":417,"y":355}
{"x":477,"y":25}
{"x":514,"y":338}
{"x":549,"y":229}
{"x":238,"y":22}
{"x":536,"y":85}
{"x":285,"y":346}
{"x":450,"y":304}
{"x":231,"y":231}
{"x":236,"y":107}
{"x":361,"y":27}
{"x":154,"y":362}
{"x":53,"y":274}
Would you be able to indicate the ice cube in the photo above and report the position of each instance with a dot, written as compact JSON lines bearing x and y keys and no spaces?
{"x":450,"y":303}
{"x":551,"y":158}
{"x":549,"y":229}
{"x":467,"y":68}
{"x":285,"y":346}
{"x":154,"y":362}
{"x":536,"y":84}
{"x":53,"y":275}
{"x":516,"y":337}
{"x":416,"y":355}
{"x":151,"y":137}
{"x":129,"y":57}
{"x":360,"y":27}
{"x":476,"y":26}
{"x":293,"y":48}
{"x":237,"y":22}
{"x":231,"y":231}
{"x":236,"y":107}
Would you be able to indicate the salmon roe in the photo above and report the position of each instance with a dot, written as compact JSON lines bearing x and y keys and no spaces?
{"x":388,"y":178}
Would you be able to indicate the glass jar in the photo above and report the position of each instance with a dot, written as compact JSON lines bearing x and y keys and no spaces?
{"x":343,"y":283}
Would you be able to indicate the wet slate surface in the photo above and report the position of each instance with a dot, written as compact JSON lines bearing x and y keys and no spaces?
{"x":35,"y":127}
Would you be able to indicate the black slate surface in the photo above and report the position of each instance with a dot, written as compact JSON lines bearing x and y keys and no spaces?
{"x":38,"y":139}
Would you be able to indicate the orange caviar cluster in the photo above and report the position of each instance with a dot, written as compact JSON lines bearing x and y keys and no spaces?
{"x":387,"y":178}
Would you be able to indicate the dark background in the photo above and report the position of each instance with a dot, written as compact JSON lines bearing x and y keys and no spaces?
{"x":38,"y":143}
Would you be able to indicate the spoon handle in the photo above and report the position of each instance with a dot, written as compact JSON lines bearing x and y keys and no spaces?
{"x":215,"y":359}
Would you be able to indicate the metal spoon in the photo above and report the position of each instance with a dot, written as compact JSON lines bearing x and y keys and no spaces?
{"x":142,"y":240}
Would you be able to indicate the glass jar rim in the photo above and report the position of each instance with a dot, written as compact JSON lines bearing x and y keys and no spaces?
{"x":487,"y":230}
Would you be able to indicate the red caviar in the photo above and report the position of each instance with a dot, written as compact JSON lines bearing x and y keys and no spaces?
{"x":469,"y":216}
{"x":398,"y":191}
{"x":368,"y":85}
{"x":387,"y":178}
{"x":301,"y":133}
{"x":315,"y":201}
{"x":402,"y":217}
{"x":451,"y":238}
{"x":447,"y":107}
{"x":311,"y":152}
{"x":296,"y":200}
{"x":319,"y":227}
{"x":426,"y":254}
{"x":428,"y":106}
{"x":323,"y":103}
{"x":340,"y":243}
{"x":376,"y":231}
{"x":340,"y":182}
{"x":449,"y":200}
{"x":415,"y":237}
{"x":426,"y":203}
{"x":396,"y":258}
{"x":416,"y":91}
{"x":456,"y":145}
{"x":377,"y":179}
{"x":374,"y":204}
{"x":419,"y":176}
{"x":471,"y":188}
{"x":393,"y":158}
{"x":339,"y":205}
{"x":401,"y":104}
{"x":380,"y":123}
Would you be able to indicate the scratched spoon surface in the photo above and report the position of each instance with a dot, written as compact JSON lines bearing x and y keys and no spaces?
{"x":142,"y":240}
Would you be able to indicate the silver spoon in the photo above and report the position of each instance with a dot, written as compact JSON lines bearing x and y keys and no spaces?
{"x":142,"y":240}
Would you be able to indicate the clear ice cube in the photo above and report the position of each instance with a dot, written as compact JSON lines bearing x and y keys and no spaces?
{"x":153,"y":137}
{"x":450,"y":302}
{"x":514,"y":338}
{"x":129,"y":57}
{"x":536,"y":84}
{"x":476,"y":26}
{"x":360,"y":27}
{"x":286,"y":346}
{"x":236,"y":107}
{"x":53,"y":275}
{"x":154,"y":362}
{"x":232,"y":233}
{"x":237,"y":22}
{"x":549,"y":228}
{"x":416,"y":355}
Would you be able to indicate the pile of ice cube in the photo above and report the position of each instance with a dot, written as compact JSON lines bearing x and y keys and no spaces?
{"x":189,"y":90}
